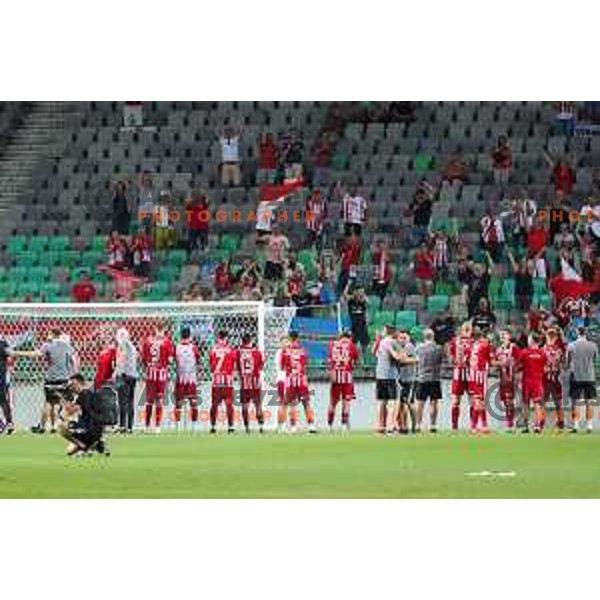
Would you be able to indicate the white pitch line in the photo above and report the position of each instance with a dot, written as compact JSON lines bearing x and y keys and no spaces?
{"x":491,"y":474}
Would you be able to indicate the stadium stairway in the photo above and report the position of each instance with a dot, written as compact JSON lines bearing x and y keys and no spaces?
{"x":27,"y":147}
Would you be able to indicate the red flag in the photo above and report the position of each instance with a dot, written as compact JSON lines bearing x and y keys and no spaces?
{"x":278,"y":193}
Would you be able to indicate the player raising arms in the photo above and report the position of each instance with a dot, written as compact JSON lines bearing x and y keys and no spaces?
{"x":342,"y":357}
{"x":481,"y":356}
{"x":555,"y":351}
{"x":222,"y":360}
{"x":187,"y":360}
{"x":250,"y":363}
{"x":507,"y":355}
{"x":533,"y":363}
{"x":157,"y":354}
{"x":294,"y":360}
{"x":459,"y":352}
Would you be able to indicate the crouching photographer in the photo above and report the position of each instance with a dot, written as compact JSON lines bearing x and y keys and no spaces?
{"x":85,"y":413}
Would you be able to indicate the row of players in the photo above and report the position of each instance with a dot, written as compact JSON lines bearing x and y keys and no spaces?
{"x":226,"y":363}
{"x":533,"y":374}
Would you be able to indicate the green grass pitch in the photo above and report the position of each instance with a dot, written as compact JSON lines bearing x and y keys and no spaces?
{"x":360,"y":465}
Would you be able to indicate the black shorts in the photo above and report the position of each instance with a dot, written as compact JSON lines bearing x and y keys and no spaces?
{"x":86,"y":435}
{"x":53,"y":390}
{"x":273,"y":271}
{"x":582,"y":389}
{"x":429,"y":390}
{"x":387,"y":389}
{"x":406,"y":391}
{"x":361,"y":335}
{"x":4,"y":395}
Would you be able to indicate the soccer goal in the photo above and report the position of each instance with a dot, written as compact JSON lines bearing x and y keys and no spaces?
{"x":90,"y":327}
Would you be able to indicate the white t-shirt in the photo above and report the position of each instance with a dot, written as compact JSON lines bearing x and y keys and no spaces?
{"x":264,"y":217}
{"x":354,"y":209}
{"x":230,"y":149}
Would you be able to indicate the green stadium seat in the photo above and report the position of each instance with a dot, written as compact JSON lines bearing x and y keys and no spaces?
{"x":406,"y":319}
{"x":28,"y":288}
{"x":230,"y":243}
{"x":18,"y":274}
{"x":437,"y":303}
{"x":50,"y":259}
{"x":159,"y":290}
{"x":8,"y":290}
{"x":177,"y":257}
{"x":39,"y":274}
{"x":58,"y":243}
{"x":38,"y":243}
{"x":416,"y":334}
{"x":99,"y":242}
{"x":70,"y":258}
{"x":92,"y":258}
{"x":50,"y":291}
{"x":26,"y":258}
{"x":77,"y":271}
{"x":539,"y":286}
{"x":423,"y":162}
{"x":17,"y":243}
{"x":3,"y":273}
{"x":168,"y":273}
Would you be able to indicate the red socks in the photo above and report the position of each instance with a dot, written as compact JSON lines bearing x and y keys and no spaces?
{"x":455,"y":412}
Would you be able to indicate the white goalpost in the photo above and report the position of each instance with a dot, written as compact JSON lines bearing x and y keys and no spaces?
{"x":90,"y":327}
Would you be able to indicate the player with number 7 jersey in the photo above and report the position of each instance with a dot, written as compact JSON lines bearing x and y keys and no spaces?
{"x":222,"y":360}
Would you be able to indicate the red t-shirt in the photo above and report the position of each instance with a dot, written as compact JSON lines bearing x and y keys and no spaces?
{"x":555,"y":354}
{"x":424,"y":266}
{"x":83,"y":291}
{"x":564,"y":178}
{"x":537,"y":238}
{"x":268,"y":156}
{"x":533,"y":362}
{"x":350,"y":254}
{"x":105,"y":366}
{"x":198,"y":217}
{"x":480,"y":356}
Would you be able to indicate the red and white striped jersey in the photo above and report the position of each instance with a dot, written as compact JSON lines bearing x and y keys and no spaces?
{"x":250,"y":362}
{"x":341,"y":359}
{"x":482,"y":353}
{"x":187,"y":357}
{"x":294,"y":360}
{"x":222,"y":359}
{"x":157,"y":354}
{"x":555,"y":357}
{"x":460,"y":353}
{"x":316,"y":213}
{"x":507,"y":356}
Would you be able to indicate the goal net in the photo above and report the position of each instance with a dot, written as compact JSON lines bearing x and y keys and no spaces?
{"x":90,"y":327}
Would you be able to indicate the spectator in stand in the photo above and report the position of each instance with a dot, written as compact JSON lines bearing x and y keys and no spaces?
{"x":478,"y":284}
{"x":198,"y":219}
{"x":358,"y":310}
{"x":322,"y":150}
{"x":249,"y":277}
{"x":268,"y":156}
{"x":293,"y":157}
{"x":563,"y":175}
{"x":147,"y":197}
{"x":456,"y":170}
{"x":502,"y":161}
{"x":424,"y":269}
{"x":164,"y":226}
{"x":420,"y":210}
{"x":484,"y":316}
{"x":399,"y":112}
{"x":349,"y":258}
{"x":223,"y":279}
{"x":277,"y":250}
{"x":443,"y":328}
{"x":316,"y":220}
{"x":565,"y":238}
{"x":537,"y":240}
{"x":492,"y":235}
{"x":142,"y":252}
{"x":231,"y":169}
{"x":523,"y":274}
{"x":133,"y":114}
{"x":382,"y":271}
{"x":558,"y":216}
{"x":354,"y":212}
{"x":117,"y":251}
{"x":295,"y":278}
{"x":121,"y":214}
{"x":84,"y":290}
